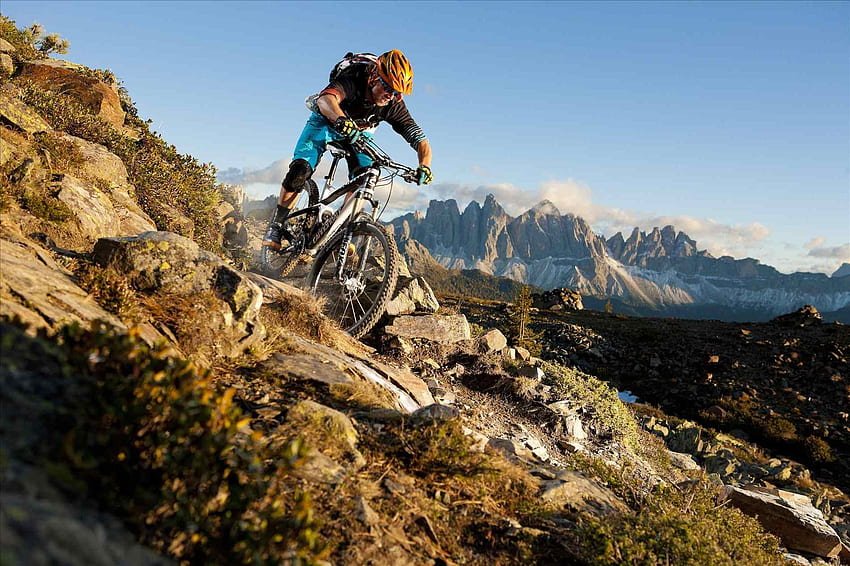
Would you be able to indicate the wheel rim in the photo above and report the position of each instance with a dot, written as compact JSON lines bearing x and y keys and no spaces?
{"x":353,"y":299}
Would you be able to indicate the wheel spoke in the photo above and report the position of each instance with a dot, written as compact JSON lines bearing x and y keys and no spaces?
{"x":354,"y":306}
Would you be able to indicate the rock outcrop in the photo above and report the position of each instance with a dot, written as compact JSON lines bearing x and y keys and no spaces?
{"x":441,"y":329}
{"x":789,"y":516}
{"x":558,"y":299}
{"x":66,"y":78}
{"x":169,"y":263}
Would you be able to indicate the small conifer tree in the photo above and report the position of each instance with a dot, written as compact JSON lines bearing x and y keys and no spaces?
{"x":520,"y":316}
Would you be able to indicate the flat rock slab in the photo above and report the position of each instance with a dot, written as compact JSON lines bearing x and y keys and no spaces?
{"x":18,"y":113}
{"x":405,"y":379}
{"x":436,"y":328}
{"x":327,"y":365}
{"x":307,"y":367}
{"x":798,"y":524}
{"x":273,"y":289}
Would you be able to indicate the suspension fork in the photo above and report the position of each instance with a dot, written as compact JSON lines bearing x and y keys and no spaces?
{"x":365,"y":194}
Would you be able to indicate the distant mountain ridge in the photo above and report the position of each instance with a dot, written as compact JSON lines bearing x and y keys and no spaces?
{"x":660,"y":272}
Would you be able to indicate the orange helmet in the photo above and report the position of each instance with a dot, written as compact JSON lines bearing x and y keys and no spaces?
{"x":396,"y":71}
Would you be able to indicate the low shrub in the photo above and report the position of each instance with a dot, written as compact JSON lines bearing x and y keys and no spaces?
{"x":596,"y":399}
{"x":64,"y":155}
{"x":818,"y":450}
{"x":776,"y":428}
{"x":176,"y":458}
{"x":111,"y":290}
{"x":682,"y":527}
{"x":44,"y":205}
{"x":21,"y":39}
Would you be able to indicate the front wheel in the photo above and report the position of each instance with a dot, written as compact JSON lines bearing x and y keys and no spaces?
{"x":356,"y":280}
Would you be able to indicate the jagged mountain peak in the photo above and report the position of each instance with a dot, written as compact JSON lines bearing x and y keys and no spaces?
{"x":545,"y":208}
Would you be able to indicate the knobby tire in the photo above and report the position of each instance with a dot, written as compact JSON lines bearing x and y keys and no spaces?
{"x":324,"y":270}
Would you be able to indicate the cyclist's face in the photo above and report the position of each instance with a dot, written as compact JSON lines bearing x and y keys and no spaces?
{"x":381,"y":93}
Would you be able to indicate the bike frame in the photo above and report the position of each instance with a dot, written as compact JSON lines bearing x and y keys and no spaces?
{"x":362,"y":190}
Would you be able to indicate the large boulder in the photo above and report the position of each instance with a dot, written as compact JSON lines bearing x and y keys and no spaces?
{"x":169,"y":263}
{"x":443,"y":329}
{"x":574,"y":491}
{"x":412,"y":294}
{"x":107,"y":170}
{"x":70,"y":79}
{"x":92,"y":209}
{"x":789,"y":516}
{"x":558,"y":299}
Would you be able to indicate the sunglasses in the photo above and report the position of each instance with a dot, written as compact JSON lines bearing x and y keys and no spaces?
{"x":388,"y":89}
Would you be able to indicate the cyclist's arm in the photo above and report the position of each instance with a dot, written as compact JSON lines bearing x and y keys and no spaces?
{"x":329,"y":106}
{"x":424,"y":153}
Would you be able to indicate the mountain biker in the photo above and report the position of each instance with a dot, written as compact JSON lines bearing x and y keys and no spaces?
{"x":365,"y":93}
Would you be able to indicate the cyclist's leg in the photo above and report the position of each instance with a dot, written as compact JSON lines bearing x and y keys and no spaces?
{"x":308,"y":151}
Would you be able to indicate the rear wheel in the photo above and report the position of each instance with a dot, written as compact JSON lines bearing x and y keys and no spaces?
{"x":358,"y":298}
{"x":280,"y":263}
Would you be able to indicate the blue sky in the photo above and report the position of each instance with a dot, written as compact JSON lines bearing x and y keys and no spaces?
{"x":729,"y":120}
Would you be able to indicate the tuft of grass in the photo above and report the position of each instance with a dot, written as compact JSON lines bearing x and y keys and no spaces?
{"x":111,"y":290}
{"x":302,"y":315}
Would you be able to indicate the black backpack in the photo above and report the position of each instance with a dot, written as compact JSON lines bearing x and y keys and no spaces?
{"x":352,"y":59}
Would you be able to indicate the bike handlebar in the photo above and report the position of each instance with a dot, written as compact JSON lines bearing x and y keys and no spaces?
{"x":379,"y":156}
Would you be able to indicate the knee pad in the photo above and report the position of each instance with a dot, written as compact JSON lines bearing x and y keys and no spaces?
{"x":297,"y":177}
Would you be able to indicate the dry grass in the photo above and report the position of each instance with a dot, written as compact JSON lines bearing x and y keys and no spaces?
{"x":193,"y":320}
{"x":302,"y":315}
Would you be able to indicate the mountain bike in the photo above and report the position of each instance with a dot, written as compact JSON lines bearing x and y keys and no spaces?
{"x":355,"y":260}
